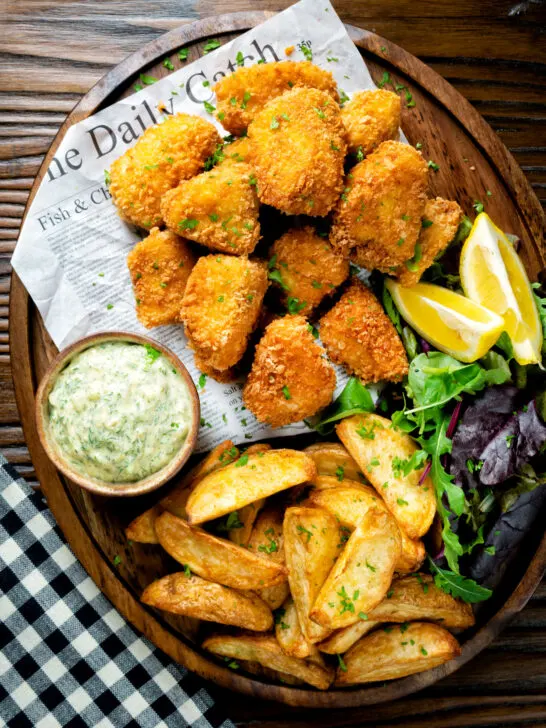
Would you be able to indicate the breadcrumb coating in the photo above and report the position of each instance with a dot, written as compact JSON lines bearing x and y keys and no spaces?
{"x":308,"y":269}
{"x":165,"y":154}
{"x":221,"y":306}
{"x":445,"y":216}
{"x":297,"y":148}
{"x":237,"y":151}
{"x":358,"y":334}
{"x":383,"y":203}
{"x":291,"y":378}
{"x":371,"y":117}
{"x":218,"y":208}
{"x":243,"y":94}
{"x":160,"y":266}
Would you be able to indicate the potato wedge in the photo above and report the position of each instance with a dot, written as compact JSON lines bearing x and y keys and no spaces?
{"x":311,"y":538}
{"x":288,"y":632}
{"x":386,"y":655}
{"x":141,"y":529}
{"x":216,"y":558}
{"x":246,"y":515}
{"x":267,"y":540}
{"x":250,"y":478}
{"x":331,"y":458}
{"x":258,"y":447}
{"x":349,"y":503}
{"x":342,"y":639}
{"x":175,"y":501}
{"x":254,"y":668}
{"x":266,"y":650}
{"x":196,"y":597}
{"x":381,"y":452}
{"x":417,"y":597}
{"x":363,"y":573}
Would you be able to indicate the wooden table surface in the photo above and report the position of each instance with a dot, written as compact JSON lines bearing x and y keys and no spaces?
{"x":492,"y":51}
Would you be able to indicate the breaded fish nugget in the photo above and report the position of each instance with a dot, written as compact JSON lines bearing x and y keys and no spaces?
{"x":384,"y":203}
{"x":290,"y":377}
{"x":297,"y":148}
{"x":164,"y":155}
{"x":438,"y":228}
{"x":308,"y":269}
{"x":237,"y":151}
{"x":371,"y":117}
{"x":357,"y":333}
{"x":373,"y":257}
{"x":160,"y":266}
{"x":218,"y":208}
{"x":221,"y":306}
{"x":244,"y":93}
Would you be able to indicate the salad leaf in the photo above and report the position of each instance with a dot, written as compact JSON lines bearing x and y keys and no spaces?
{"x":541,"y":306}
{"x":390,"y":308}
{"x":353,"y":400}
{"x":458,"y":586}
{"x":525,"y":482}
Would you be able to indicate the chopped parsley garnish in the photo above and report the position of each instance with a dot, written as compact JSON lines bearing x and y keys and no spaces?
{"x":294,"y":306}
{"x":307,"y":52}
{"x":342,"y":665}
{"x":363,"y":616}
{"x":211,"y":45}
{"x":386,"y":78}
{"x":432,"y":165}
{"x":359,"y":154}
{"x":312,"y":330}
{"x":275,"y":275}
{"x":302,"y":530}
{"x":320,"y":113}
{"x":107,"y":178}
{"x":246,"y":99}
{"x":202,"y":380}
{"x":333,"y":147}
{"x":370,"y":567}
{"x":286,"y":392}
{"x":340,"y":473}
{"x":188,"y":224}
{"x":167,"y":63}
{"x":346,"y":602}
{"x":187,"y":571}
{"x":209,"y":108}
{"x":412,"y":263}
{"x":367,"y":434}
{"x":117,"y":560}
{"x":147,"y":80}
{"x":243,"y":460}
{"x":240,"y":59}
{"x":478,"y":206}
{"x":405,"y":467}
{"x":183,"y":54}
{"x":426,"y":223}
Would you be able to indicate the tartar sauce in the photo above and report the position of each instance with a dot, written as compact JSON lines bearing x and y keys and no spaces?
{"x":119,"y":412}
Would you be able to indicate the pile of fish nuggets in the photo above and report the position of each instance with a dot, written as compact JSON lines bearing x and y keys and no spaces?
{"x":309,"y":559}
{"x":253,"y":305}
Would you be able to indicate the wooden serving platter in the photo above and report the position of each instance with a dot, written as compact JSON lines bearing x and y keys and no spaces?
{"x":473,"y":165}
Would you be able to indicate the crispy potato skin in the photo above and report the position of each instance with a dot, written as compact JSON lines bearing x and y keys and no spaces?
{"x":371,"y":117}
{"x":445,"y":216}
{"x":141,"y":529}
{"x":290,"y":378}
{"x":417,"y":597}
{"x":160,"y":266}
{"x":266,"y":650}
{"x":330,"y":458}
{"x":265,"y":82}
{"x":221,"y":306}
{"x":165,"y":154}
{"x":267,"y":539}
{"x":343,"y":639}
{"x":311,"y":537}
{"x":299,"y":163}
{"x":385,"y":203}
{"x":309,"y":268}
{"x":390,"y":655}
{"x":358,"y":334}
{"x":247,"y":480}
{"x":218,"y":209}
{"x":196,"y":597}
{"x":412,"y":505}
{"x":216,"y":559}
{"x":362,"y":574}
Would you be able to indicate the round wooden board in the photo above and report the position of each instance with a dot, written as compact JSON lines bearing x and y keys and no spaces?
{"x":473,"y":163}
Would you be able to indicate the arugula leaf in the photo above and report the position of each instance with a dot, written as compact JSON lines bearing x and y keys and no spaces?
{"x":390,"y":308}
{"x":496,"y":368}
{"x":458,"y":586}
{"x":354,"y":399}
{"x":541,"y":306}
{"x":504,"y":343}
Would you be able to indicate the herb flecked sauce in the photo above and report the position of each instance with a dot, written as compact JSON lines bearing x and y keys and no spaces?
{"x":119,"y":412}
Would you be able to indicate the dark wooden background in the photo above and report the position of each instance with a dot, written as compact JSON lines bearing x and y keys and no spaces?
{"x":492,"y":51}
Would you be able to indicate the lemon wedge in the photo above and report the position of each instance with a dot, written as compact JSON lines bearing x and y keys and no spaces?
{"x":450,"y":322}
{"x":493,"y":275}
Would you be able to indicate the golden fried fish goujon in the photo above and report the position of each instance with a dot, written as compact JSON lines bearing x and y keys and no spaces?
{"x":384,"y":203}
{"x":308,"y":268}
{"x":244,"y":93}
{"x":358,"y":334}
{"x":383,"y":458}
{"x":398,"y":652}
{"x":164,"y":155}
{"x":196,"y":597}
{"x":362,"y":574}
{"x":370,"y":117}
{"x":248,"y":479}
{"x":160,"y":266}
{"x":290,"y":377}
{"x":297,"y":148}
{"x":218,"y":209}
{"x":221,"y":306}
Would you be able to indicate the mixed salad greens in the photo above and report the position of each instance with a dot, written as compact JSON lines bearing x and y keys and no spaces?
{"x":482,"y":432}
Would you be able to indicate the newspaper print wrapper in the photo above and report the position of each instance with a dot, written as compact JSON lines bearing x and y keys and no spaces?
{"x":71,"y":254}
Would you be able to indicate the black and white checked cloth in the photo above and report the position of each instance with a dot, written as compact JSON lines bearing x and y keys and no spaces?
{"x":67,"y":657}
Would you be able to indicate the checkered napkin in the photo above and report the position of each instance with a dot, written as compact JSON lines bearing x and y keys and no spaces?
{"x":67,"y":658}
